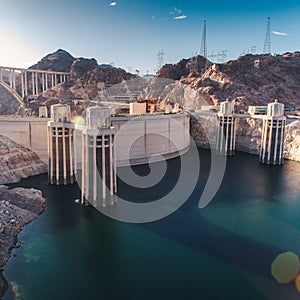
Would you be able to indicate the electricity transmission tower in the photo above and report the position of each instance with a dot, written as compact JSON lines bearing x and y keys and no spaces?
{"x":222,"y":56}
{"x":160,"y":59}
{"x":203,"y":49}
{"x":253,"y":49}
{"x":267,"y":45}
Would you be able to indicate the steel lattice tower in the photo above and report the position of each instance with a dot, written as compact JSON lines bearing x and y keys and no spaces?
{"x":203,"y":49}
{"x":267,"y":45}
{"x":160,"y":59}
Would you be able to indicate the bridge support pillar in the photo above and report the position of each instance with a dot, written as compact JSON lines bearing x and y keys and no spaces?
{"x":22,"y":84}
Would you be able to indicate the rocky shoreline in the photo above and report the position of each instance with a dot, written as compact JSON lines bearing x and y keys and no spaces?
{"x":18,"y":207}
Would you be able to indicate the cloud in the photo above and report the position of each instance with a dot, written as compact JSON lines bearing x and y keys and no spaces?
{"x":175,"y":11}
{"x":113,"y":3}
{"x":180,"y":17}
{"x":280,"y":33}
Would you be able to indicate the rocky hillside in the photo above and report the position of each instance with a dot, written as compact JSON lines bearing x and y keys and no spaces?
{"x":292,"y":141}
{"x":60,"y":61}
{"x":17,"y":162}
{"x":84,"y":83}
{"x":185,"y":68}
{"x":17,"y":208}
{"x":249,"y":80}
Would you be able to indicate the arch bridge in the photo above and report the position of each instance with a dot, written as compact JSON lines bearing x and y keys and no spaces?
{"x":29,"y":82}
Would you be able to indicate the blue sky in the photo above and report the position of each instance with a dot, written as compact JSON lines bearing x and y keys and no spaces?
{"x":130,"y":33}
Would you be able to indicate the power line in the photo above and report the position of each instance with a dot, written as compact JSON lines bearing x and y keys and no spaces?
{"x":221,"y":56}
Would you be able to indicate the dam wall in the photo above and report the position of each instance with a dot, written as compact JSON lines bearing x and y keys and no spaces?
{"x":138,"y":139}
{"x":31,"y":133}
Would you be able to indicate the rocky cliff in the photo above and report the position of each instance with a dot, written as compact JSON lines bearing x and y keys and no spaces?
{"x":60,"y":61}
{"x":248,"y":135}
{"x":292,"y":141}
{"x":84,"y":83}
{"x":17,"y":208}
{"x":17,"y":162}
{"x":248,"y":132}
{"x":249,"y":80}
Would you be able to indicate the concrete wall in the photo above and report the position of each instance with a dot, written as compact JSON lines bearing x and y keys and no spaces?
{"x":141,"y":137}
{"x":28,"y":132}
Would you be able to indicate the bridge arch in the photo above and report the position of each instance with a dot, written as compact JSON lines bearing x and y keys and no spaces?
{"x":12,"y":92}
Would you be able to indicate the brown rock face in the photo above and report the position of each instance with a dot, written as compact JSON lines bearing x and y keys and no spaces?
{"x":184,"y":68}
{"x":17,"y":208}
{"x":82,"y":66}
{"x":60,"y":61}
{"x":249,"y":80}
{"x":86,"y":77}
{"x":17,"y":162}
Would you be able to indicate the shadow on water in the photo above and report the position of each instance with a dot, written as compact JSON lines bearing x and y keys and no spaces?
{"x":189,"y":227}
{"x":245,"y":180}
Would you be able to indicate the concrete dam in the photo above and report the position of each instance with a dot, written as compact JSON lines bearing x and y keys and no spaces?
{"x":150,"y":135}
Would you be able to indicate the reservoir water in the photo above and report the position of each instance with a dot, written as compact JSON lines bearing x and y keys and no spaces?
{"x":224,"y":251}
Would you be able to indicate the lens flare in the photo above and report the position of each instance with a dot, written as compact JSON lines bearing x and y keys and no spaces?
{"x":78,"y":120}
{"x":297,"y":282}
{"x":285,"y":267}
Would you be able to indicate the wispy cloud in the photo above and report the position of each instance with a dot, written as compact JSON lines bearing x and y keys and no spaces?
{"x":175,"y":11}
{"x":280,"y":33}
{"x":175,"y":14}
{"x":113,"y":3}
{"x":180,"y":17}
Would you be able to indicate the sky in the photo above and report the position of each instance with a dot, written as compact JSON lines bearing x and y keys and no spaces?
{"x":130,"y":33}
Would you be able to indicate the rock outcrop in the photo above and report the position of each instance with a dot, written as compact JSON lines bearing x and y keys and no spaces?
{"x":17,"y":162}
{"x":17,"y":208}
{"x":60,"y":61}
{"x":248,"y":135}
{"x":292,"y":141}
{"x":84,"y":83}
{"x":248,"y":132}
{"x":249,"y":80}
{"x":203,"y":130}
{"x":185,"y":68}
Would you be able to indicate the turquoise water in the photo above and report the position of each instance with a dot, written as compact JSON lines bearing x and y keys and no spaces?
{"x":223,"y":251}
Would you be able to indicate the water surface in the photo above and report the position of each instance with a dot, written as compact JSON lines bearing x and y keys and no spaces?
{"x":223,"y":251}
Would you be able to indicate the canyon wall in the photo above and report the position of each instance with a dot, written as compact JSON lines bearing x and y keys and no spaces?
{"x":248,"y":134}
{"x":17,"y":162}
{"x":18,"y":206}
{"x":292,"y":141}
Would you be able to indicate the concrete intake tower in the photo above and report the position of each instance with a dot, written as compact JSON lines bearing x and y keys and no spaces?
{"x":61,"y":146}
{"x":271,"y":149}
